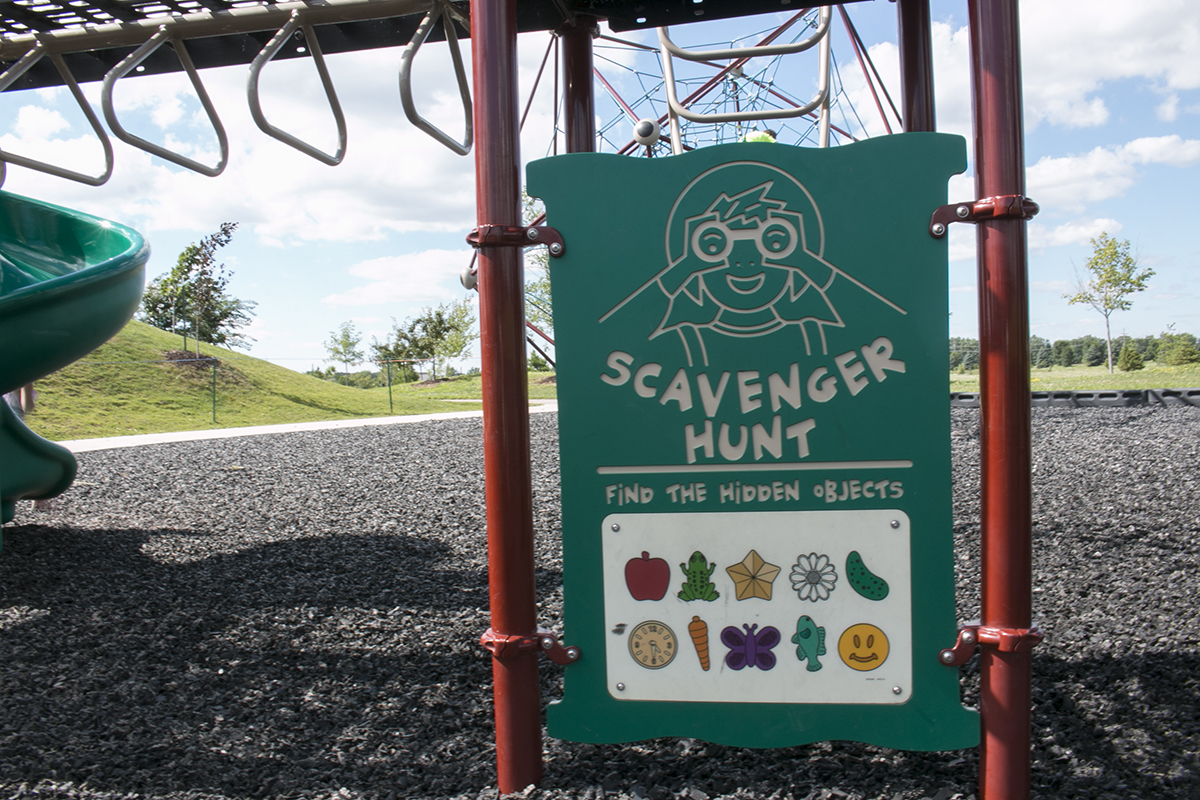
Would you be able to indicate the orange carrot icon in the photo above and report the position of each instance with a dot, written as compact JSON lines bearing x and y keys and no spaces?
{"x":699,"y":633}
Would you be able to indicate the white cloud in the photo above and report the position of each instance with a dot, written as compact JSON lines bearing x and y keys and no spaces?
{"x":394,"y":177}
{"x":1069,"y":51}
{"x":1076,"y":232}
{"x":413,"y":278}
{"x":1070,"y":183}
{"x":962,"y":243}
{"x":83,"y":155}
{"x":952,"y":79}
{"x":1068,"y":54}
{"x":886,"y":58}
{"x":1168,"y":110}
{"x":952,"y":82}
{"x":36,"y":122}
{"x":1172,"y":150}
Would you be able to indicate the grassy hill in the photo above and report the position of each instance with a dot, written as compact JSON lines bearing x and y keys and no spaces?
{"x":125,"y":388}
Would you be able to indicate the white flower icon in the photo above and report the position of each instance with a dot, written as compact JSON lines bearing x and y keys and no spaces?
{"x":813,"y":577}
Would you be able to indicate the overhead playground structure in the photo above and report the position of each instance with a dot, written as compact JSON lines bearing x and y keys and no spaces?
{"x":69,"y":281}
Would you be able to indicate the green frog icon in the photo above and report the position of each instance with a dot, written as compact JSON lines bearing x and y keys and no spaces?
{"x":698,"y":586}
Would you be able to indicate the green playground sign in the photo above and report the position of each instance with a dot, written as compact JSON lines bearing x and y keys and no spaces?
{"x":754,"y":438}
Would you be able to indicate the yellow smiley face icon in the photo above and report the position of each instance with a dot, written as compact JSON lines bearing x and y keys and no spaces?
{"x":863,"y":647}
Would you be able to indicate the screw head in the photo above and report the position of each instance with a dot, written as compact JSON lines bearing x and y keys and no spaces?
{"x":947,"y":657}
{"x":938,"y":229}
{"x":895,"y":523}
{"x":963,"y":212}
{"x":556,"y":249}
{"x":531,"y":233}
{"x":547,"y":642}
{"x":897,"y":690}
{"x":968,"y":637}
{"x":615,"y":527}
{"x":620,"y":687}
{"x":572,"y":653}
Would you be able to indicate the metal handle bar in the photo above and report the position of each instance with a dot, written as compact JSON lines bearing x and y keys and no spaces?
{"x":126,"y":66}
{"x":205,"y":22}
{"x":265,"y":55}
{"x":748,"y":52}
{"x":677,"y":109}
{"x":16,"y":71}
{"x":439,"y":9}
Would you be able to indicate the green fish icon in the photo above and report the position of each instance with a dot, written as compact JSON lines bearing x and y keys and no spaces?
{"x":809,"y":641}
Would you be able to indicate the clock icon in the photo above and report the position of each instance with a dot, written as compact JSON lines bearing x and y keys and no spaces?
{"x":652,"y":644}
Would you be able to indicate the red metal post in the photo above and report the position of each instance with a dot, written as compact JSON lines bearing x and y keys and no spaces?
{"x":508,"y":485}
{"x":579,"y":98}
{"x":1004,"y":384}
{"x":916,"y":65}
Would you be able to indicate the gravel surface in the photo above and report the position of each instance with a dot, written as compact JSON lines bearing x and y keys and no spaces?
{"x":296,"y":615}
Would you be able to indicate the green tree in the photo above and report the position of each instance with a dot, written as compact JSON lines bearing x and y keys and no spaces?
{"x":342,"y":346}
{"x":363,"y":379}
{"x":964,"y":353}
{"x":415,"y":340}
{"x":1148,"y":347}
{"x":435,"y":335}
{"x":326,"y":374}
{"x":1040,"y":352}
{"x":460,"y":332}
{"x":1130,"y":359}
{"x":1113,"y":276}
{"x":193,"y":296}
{"x":1176,"y":349}
{"x":1093,"y":353}
{"x":1065,"y":354}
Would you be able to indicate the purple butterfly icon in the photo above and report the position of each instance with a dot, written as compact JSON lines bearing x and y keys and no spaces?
{"x":750,"y":649}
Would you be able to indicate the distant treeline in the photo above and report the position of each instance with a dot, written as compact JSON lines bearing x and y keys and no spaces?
{"x":1169,"y":348}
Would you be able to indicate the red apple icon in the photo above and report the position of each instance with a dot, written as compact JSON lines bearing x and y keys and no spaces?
{"x":647,"y":578}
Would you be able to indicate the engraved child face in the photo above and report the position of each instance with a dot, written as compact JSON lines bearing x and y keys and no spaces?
{"x":744,"y":277}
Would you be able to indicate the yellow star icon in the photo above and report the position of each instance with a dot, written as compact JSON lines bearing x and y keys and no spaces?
{"x":752,"y":577}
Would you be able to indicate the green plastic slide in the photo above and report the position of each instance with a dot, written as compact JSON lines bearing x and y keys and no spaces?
{"x":68,"y":283}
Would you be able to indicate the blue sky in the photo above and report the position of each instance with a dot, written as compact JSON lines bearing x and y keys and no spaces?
{"x":1112,"y":116}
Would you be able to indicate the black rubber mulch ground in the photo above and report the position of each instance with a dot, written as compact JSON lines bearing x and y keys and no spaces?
{"x":297,"y":616}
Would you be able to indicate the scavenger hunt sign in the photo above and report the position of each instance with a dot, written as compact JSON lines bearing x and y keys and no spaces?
{"x":754,"y":441}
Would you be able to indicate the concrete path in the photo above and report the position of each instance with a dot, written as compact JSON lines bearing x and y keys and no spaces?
{"x":109,"y":443}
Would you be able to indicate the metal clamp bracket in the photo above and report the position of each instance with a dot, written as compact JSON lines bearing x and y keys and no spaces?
{"x":1006,"y":640}
{"x":517,"y":236}
{"x":1005,"y":206}
{"x":503,"y":645}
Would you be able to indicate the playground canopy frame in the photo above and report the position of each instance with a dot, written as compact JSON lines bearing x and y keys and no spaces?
{"x":92,"y":37}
